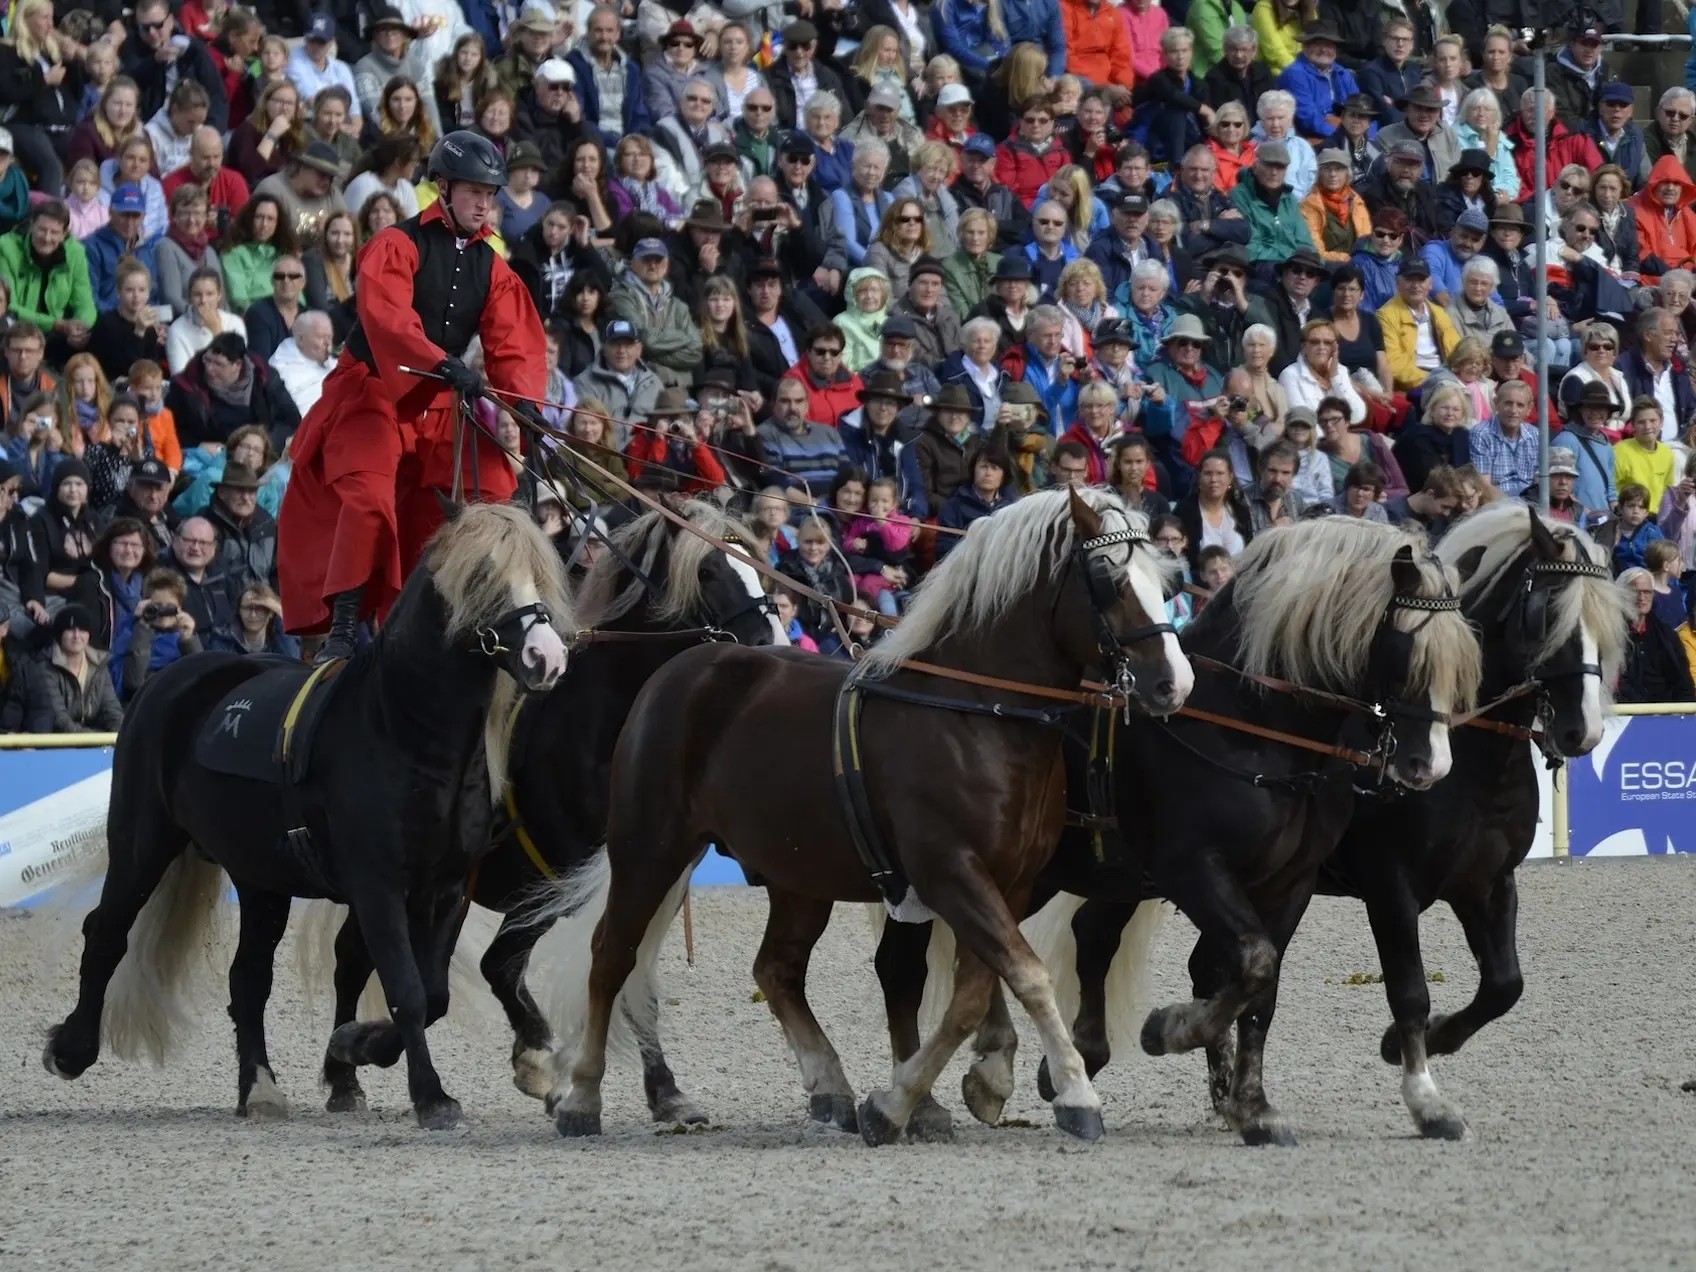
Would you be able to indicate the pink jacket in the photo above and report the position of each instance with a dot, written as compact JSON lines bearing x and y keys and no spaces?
{"x":1145,"y":30}
{"x":896,"y":534}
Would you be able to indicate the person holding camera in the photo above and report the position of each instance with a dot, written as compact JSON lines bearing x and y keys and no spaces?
{"x":164,"y":632}
{"x":669,"y":454}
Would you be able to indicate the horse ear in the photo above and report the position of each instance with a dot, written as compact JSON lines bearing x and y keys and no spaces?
{"x":1087,"y":519}
{"x":1548,"y":547}
{"x":1403,"y":572}
{"x":450,"y":509}
{"x":1468,"y":563}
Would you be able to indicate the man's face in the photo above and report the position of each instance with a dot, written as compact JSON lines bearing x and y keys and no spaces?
{"x":651,"y":269}
{"x":1198,"y":175}
{"x":1405,"y":171}
{"x":800,"y":55}
{"x":1185,"y":352}
{"x":1133,"y":173}
{"x":766,"y":293}
{"x":1669,"y":193}
{"x":1616,"y":115}
{"x":758,"y":110}
{"x":1277,"y":473}
{"x":309,"y":183}
{"x":1583,"y":231}
{"x":1413,"y":290}
{"x":156,"y":25}
{"x":1586,"y":53}
{"x":978,"y":169}
{"x":791,"y":408}
{"x":126,"y":225}
{"x":797,"y":168}
{"x":1646,"y":426}
{"x":622,"y":355}
{"x":23,"y":357}
{"x":1131,"y":225}
{"x":1657,"y":338}
{"x":1398,"y":45}
{"x":1561,"y":486}
{"x":313,"y":340}
{"x":45,"y":235}
{"x":194,"y":543}
{"x":1465,"y":243}
{"x":1513,"y":406}
{"x":206,"y":156}
{"x":221,"y":372}
{"x":1299,"y":281}
{"x":1238,"y":56}
{"x":1047,"y":337}
{"x":8,"y":498}
{"x":288,"y":279}
{"x":552,"y":94}
{"x":1070,"y":470}
{"x":149,"y":496}
{"x":535,"y":43}
{"x":926,"y":291}
{"x":698,"y":104}
{"x":1270,"y":175}
{"x":240,"y":503}
{"x":1675,"y":117}
{"x":897,"y":352}
{"x":1506,"y":368}
{"x":1422,"y":119}
{"x":603,"y":33}
{"x":1037,"y":124}
{"x":1322,"y":53}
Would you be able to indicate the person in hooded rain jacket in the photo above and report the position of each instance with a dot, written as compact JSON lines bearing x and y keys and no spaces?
{"x":1666,"y":224}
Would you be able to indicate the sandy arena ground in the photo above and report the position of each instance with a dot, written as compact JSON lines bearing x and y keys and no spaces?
{"x":1582,"y":1158}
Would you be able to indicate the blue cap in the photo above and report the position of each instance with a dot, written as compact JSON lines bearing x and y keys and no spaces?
{"x":1618,"y":91}
{"x":128,"y":198}
{"x":649,"y":247}
{"x":980,"y":144}
{"x":619,"y":329}
{"x":321,"y":27}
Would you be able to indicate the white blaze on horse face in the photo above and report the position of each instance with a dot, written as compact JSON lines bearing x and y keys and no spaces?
{"x":751,"y":580}
{"x":1592,"y":690}
{"x":1145,"y":584}
{"x":1441,"y":759}
{"x":544,"y":652}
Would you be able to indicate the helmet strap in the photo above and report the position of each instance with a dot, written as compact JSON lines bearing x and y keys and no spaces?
{"x":459,"y":231}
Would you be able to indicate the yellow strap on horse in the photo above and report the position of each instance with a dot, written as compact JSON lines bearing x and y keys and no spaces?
{"x":292,"y":717}
{"x":518,"y":829}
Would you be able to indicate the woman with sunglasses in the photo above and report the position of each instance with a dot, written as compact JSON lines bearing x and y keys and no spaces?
{"x":1227,"y":138}
{"x":903,"y":237}
{"x":1600,"y":354}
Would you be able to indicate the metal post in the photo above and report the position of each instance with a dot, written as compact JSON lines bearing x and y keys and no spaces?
{"x":1539,"y":199}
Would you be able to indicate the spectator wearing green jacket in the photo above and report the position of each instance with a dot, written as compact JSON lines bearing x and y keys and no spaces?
{"x":258,"y":236}
{"x":47,"y":271}
{"x":1209,"y":20}
{"x":1276,"y":225}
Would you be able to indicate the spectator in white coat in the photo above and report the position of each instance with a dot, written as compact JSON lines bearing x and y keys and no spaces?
{"x":304,"y":361}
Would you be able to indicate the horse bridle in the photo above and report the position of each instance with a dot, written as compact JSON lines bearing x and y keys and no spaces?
{"x":1102,"y":589}
{"x":1389,"y":709}
{"x":506,"y":634}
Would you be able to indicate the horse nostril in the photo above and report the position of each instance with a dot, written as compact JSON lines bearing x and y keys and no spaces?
{"x":1166,"y":691}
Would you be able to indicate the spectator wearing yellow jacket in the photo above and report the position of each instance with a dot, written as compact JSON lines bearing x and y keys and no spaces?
{"x":1418,"y":336}
{"x":1641,"y":458}
{"x":1279,"y":24}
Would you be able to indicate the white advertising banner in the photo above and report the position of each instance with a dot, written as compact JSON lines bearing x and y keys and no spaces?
{"x":42,"y":840}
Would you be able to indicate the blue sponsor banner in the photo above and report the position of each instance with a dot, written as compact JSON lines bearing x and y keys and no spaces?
{"x":26,"y":776}
{"x":1635,"y":794}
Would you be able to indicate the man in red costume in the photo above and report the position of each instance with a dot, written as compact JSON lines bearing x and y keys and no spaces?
{"x":373,"y":453}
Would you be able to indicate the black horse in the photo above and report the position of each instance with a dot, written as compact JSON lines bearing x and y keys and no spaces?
{"x":1552,"y":631}
{"x":552,"y":816}
{"x":386,"y":806}
{"x":1230,"y":826}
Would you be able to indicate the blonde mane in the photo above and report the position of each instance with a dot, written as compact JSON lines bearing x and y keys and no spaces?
{"x":1002,"y":559}
{"x":1309,"y":598}
{"x":600,"y":600}
{"x":1503,"y":530}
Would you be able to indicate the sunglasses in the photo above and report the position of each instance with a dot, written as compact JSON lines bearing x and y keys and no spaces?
{"x":1048,"y":220}
{"x":1184,"y":342}
{"x":1301,"y":271}
{"x":1232,"y":273}
{"x":152,"y":26}
{"x":1574,"y":188}
{"x":1603,"y":348}
{"x":1230,"y":123}
{"x":280,"y":277}
{"x":757,"y":108}
{"x":1587,"y":231}
{"x":1385,"y":234}
{"x":909,"y":220}
{"x":824,"y":352}
{"x":1670,"y":114}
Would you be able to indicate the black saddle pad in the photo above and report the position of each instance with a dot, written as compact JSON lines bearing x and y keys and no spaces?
{"x":243,"y":737}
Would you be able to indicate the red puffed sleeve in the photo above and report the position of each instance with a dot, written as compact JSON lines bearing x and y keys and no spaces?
{"x":515,"y":351}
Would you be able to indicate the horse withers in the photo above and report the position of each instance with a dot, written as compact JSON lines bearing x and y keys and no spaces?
{"x":387,"y":813}
{"x":1054,"y":585}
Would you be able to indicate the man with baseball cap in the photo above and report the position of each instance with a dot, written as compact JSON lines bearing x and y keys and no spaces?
{"x":1418,"y":336}
{"x":1620,"y":141}
{"x":1422,"y":123}
{"x":799,"y":74}
{"x":146,"y":498}
{"x":1563,"y":487}
{"x":549,"y":115}
{"x":671,"y":342}
{"x":375,"y":452}
{"x":314,"y":66}
{"x":1578,"y":72}
{"x":1276,"y":225}
{"x":1125,"y":246}
{"x":619,"y":378}
{"x":1400,"y":186}
{"x":898,"y":347}
{"x":976,"y":187}
{"x":1447,"y":257}
{"x":118,"y":238}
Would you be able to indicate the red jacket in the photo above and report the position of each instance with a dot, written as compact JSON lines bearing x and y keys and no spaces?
{"x":937,"y":130}
{"x":655,"y":448}
{"x":1098,"y":47}
{"x":1565,"y":146}
{"x":1669,"y":233}
{"x":1019,"y":167}
{"x":1098,"y":474}
{"x":228,"y":189}
{"x":828,"y":403}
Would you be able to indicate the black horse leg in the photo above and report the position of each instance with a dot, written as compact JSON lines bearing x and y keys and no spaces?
{"x":1097,"y":928}
{"x":902,"y":972}
{"x":1208,"y":972}
{"x":141,"y":847}
{"x":532,"y":1044}
{"x":389,"y":936}
{"x":1394,"y":914}
{"x":1490,"y":923}
{"x":353,"y":973}
{"x":264,"y":918}
{"x":1246,"y":1109}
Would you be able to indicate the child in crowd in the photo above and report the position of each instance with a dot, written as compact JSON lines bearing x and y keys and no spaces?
{"x":1662,"y":561}
{"x":1169,"y":537}
{"x":88,"y":213}
{"x":1636,"y":529}
{"x":1216,"y":567}
{"x":147,"y":386}
{"x":814,"y":564}
{"x":885,"y":537}
{"x":787,"y":617}
{"x":99,"y":65}
{"x":162,"y":634}
{"x":771,"y":524}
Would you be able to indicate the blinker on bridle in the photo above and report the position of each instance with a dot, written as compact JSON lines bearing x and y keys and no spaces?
{"x":1103,"y":594}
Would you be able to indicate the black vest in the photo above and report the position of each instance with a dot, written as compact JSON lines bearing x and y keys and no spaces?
{"x":448,"y":291}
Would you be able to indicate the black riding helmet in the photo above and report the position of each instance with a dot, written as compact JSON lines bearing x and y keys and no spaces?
{"x":467,"y":156}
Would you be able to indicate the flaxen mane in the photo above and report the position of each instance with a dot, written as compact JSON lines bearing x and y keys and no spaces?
{"x":609,"y":591}
{"x":479,"y":558}
{"x":1310,"y":596}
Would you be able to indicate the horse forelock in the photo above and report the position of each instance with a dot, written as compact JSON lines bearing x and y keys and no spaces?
{"x":609,"y":589}
{"x":1309,"y":598}
{"x":1503,"y":531}
{"x":1002,"y":559}
{"x":485,"y":557}
{"x":689,"y":552}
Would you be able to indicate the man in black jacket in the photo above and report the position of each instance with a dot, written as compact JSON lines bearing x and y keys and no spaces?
{"x":976,"y":187}
{"x":224,"y":387}
{"x":770,"y":229}
{"x":1577,"y":73}
{"x":147,"y":499}
{"x":1290,"y":302}
{"x":548,"y":113}
{"x":1208,"y":219}
{"x":158,"y":56}
{"x":247,"y":534}
{"x":25,"y":706}
{"x":800,"y":74}
{"x":1238,"y":76}
{"x":1399,"y":186}
{"x":778,"y":320}
{"x":1393,"y":74}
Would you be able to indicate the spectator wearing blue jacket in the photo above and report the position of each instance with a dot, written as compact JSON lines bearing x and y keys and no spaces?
{"x":1318,"y":83}
{"x":1049,"y":369}
{"x":1447,"y":257}
{"x":859,"y":210}
{"x":963,"y":30}
{"x":1038,"y":22}
{"x":599,"y":54}
{"x":1620,"y":141}
{"x":1391,"y":76}
{"x":1591,"y":451}
{"x":121,"y":236}
{"x":1379,"y":258}
{"x":1181,"y":377}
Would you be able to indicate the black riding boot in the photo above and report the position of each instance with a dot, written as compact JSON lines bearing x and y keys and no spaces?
{"x":344,"y":627}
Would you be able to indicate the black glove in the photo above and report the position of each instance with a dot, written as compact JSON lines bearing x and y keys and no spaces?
{"x":529,"y":412}
{"x":461,"y":378}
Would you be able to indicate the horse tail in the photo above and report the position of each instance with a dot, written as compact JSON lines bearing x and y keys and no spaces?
{"x":170,"y":942}
{"x":939,"y":966}
{"x":558,"y":972}
{"x":1049,"y":932}
{"x":318,"y":923}
{"x":1129,"y":993}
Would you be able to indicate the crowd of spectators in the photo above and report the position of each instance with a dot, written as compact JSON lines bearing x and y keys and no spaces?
{"x":867,"y":269}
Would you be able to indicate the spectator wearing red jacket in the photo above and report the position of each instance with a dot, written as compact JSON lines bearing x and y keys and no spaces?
{"x":832,"y":389}
{"x":1666,"y":224}
{"x":1098,"y":44}
{"x":668,"y":453}
{"x":1565,"y":145}
{"x":1026,"y":161}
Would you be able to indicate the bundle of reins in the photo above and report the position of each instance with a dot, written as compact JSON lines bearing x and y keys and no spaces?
{"x":1090,"y":694}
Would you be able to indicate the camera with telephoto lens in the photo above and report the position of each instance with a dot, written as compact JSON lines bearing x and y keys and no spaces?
{"x":158,"y":610}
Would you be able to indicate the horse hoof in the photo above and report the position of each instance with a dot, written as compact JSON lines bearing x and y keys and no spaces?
{"x":1044,"y":1083}
{"x":1450,"y":1126}
{"x":349,"y":1100}
{"x":575,"y":1124}
{"x":366,"y":1042}
{"x":876,"y":1127}
{"x":266,"y":1108}
{"x":930,"y":1123}
{"x":1268,"y":1131}
{"x":1154,"y":1031}
{"x":1391,"y":1047}
{"x":59,"y":1065}
{"x":679,"y":1110}
{"x":834,"y":1110}
{"x":440,"y":1115}
{"x":984,"y":1103}
{"x":1080,"y":1121}
{"x":532,"y":1072}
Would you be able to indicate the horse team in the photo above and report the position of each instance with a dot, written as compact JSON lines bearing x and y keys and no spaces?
{"x":1354,"y":714}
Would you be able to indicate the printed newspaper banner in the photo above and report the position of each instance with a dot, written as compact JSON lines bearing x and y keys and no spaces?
{"x":52,"y":814}
{"x":1635,"y":794}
